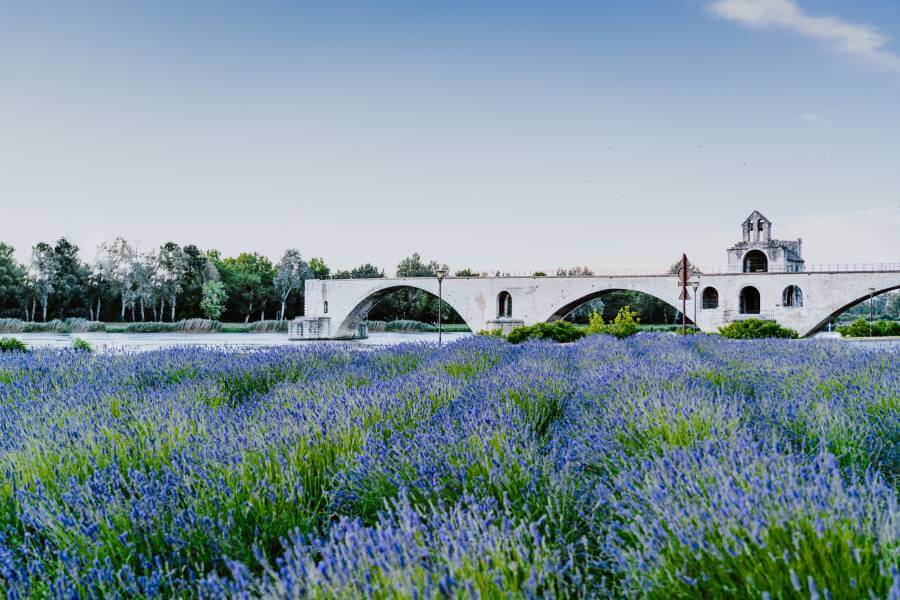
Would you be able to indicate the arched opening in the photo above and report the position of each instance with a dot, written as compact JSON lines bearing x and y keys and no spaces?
{"x":710,"y":298}
{"x":325,"y":307}
{"x":749,"y":301}
{"x":650,"y":309}
{"x":401,"y":308}
{"x":756,"y":261}
{"x":792,"y":297}
{"x":504,"y":305}
{"x":880,"y":305}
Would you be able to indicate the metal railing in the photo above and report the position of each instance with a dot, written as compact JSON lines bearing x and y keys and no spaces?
{"x":667,"y":271}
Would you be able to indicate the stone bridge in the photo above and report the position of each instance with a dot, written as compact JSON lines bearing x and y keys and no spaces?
{"x":804,"y":301}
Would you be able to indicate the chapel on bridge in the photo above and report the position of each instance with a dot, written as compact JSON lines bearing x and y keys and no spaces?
{"x":758,"y":252}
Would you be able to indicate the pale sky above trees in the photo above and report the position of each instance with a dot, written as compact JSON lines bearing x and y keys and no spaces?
{"x":508,"y":135}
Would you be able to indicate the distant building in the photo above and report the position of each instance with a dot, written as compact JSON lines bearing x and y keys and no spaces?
{"x":758,"y":252}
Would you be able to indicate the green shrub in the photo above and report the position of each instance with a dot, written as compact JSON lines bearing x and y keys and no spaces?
{"x":82,"y":345}
{"x":624,"y":325}
{"x":497,"y":332}
{"x":756,"y":328}
{"x":409,"y":325}
{"x":12,"y":345}
{"x":595,"y":324}
{"x":863,"y":328}
{"x":558,"y":331}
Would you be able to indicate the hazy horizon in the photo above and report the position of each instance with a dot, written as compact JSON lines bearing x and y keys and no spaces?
{"x":515,"y":136}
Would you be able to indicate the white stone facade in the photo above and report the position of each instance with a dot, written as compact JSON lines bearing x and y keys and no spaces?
{"x":780,"y":256}
{"x":536,"y":299}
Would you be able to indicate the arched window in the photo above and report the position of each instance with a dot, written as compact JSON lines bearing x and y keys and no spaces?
{"x":710,"y":298}
{"x":504,"y":305}
{"x":750,"y":301}
{"x":792,"y":296}
{"x":755,"y":262}
{"x":326,"y":307}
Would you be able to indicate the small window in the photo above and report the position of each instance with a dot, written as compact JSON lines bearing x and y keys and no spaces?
{"x":710,"y":298}
{"x":792,"y":297}
{"x":326,"y":307}
{"x":504,"y":305}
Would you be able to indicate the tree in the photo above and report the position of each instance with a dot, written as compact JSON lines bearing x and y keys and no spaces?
{"x":12,"y":276}
{"x":69,"y":275}
{"x":146,"y":288}
{"x":291,"y":272}
{"x":117,"y":267}
{"x":319,"y":268}
{"x":467,"y":272}
{"x":412,"y":266}
{"x":172,"y":265}
{"x":575,"y":272}
{"x":213,"y":301}
{"x":41,"y":271}
{"x":366,"y":271}
{"x":248,"y":281}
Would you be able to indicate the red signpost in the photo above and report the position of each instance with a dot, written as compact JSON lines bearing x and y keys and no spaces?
{"x":684,"y":273}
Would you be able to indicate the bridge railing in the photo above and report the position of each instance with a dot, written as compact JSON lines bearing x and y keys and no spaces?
{"x":667,"y":271}
{"x":812,"y":268}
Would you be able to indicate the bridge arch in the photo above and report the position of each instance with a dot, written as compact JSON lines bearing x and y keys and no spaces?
{"x":563,"y":309}
{"x":351,"y":321}
{"x":834,"y":314}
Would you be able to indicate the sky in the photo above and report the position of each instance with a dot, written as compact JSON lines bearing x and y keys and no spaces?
{"x":493,"y":135}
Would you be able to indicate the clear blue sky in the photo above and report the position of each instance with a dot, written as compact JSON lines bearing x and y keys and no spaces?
{"x":510,"y":135}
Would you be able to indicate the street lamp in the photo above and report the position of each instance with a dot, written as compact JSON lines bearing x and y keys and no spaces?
{"x":440,"y":274}
{"x":695,"y":284}
{"x":871,"y":309}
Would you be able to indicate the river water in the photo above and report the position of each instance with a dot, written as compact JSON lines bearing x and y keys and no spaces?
{"x":155,"y":341}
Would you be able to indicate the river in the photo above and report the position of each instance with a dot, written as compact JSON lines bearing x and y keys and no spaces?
{"x":155,"y":341}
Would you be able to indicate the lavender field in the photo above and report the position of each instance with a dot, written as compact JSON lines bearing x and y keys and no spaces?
{"x":653,"y":467}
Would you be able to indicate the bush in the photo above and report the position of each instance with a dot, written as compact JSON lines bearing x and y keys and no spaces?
{"x":863,"y":328}
{"x":756,"y":328}
{"x":376,"y":326}
{"x":198,"y":325}
{"x":79,"y":325}
{"x":492,"y":333}
{"x":558,"y":331}
{"x":409,"y":325}
{"x":269,"y":326}
{"x":12,"y":345}
{"x":624,"y":325}
{"x":12,"y":325}
{"x":82,"y":345}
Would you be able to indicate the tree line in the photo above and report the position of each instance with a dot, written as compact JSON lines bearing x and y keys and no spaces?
{"x":174,"y":282}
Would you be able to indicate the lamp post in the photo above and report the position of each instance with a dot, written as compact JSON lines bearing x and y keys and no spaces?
{"x":440,"y":274}
{"x":871,"y":309}
{"x":695,"y":284}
